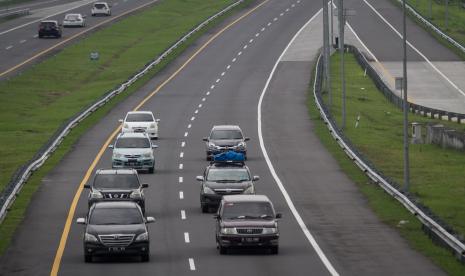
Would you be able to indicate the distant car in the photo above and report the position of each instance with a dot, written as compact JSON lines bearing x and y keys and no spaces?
{"x":74,"y":20}
{"x":140,"y":121}
{"x":116,"y":185}
{"x":225,"y":138}
{"x":246,"y":221}
{"x":49,"y":28}
{"x":101,"y":8}
{"x":114,"y":228}
{"x":224,"y":178}
{"x":133,"y":150}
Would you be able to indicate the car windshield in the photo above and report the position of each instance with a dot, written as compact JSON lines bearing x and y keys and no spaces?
{"x":117,"y":216}
{"x":47,"y":24}
{"x":144,"y":117}
{"x":72,"y":17}
{"x":226,"y":134}
{"x":116,"y":181}
{"x":228,"y":175}
{"x":130,"y":143}
{"x":99,"y":6}
{"x":247,"y":210}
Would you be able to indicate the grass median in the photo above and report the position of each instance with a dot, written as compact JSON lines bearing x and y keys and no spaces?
{"x":436,"y":173}
{"x":46,"y":95}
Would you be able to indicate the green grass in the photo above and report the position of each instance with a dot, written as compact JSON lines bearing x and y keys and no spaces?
{"x":436,"y":173}
{"x":456,"y":24}
{"x":35,"y":103}
{"x":17,"y":212}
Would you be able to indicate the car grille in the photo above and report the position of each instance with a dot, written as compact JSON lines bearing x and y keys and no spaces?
{"x":116,"y":195}
{"x":139,"y":129}
{"x":249,"y":231}
{"x":132,"y":155}
{"x":116,"y":240}
{"x":229,"y":191}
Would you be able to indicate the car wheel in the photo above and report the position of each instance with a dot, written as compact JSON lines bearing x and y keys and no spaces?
{"x":152,"y":169}
{"x":145,"y":257}
{"x":223,"y":250}
{"x":41,"y":36}
{"x":274,"y":250}
{"x":87,"y":258}
{"x":204,"y":208}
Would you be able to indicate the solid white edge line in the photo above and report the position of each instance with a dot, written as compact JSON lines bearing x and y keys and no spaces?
{"x":186,"y":237}
{"x":191,"y":264}
{"x":289,"y":202}
{"x":416,"y":50}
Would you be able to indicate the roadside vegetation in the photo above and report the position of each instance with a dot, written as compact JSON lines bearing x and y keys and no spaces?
{"x":34,"y":104}
{"x":436,"y":173}
{"x":435,"y":11}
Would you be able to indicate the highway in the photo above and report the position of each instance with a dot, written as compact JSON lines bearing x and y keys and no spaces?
{"x":221,"y":81}
{"x":19,"y":42}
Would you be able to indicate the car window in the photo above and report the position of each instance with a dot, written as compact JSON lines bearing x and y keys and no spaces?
{"x":225,"y":134}
{"x":139,"y":118}
{"x":47,"y":24}
{"x":117,"y":216}
{"x":116,"y":181}
{"x":71,"y":17}
{"x":132,"y":142}
{"x":99,"y":6}
{"x":228,"y":175}
{"x":238,"y":210}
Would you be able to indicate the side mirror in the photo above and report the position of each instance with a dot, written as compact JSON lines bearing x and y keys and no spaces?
{"x":150,"y":219}
{"x":154,"y":146}
{"x":84,"y":16}
{"x":199,"y":178}
{"x":216,"y":216}
{"x":120,"y":120}
{"x":145,"y":185}
{"x":86,"y":186}
{"x":256,"y":178}
{"x":157,"y":120}
{"x":279,"y":215}
{"x":110,"y":146}
{"x":205,"y":139}
{"x":246,"y":139}
{"x":81,"y":221}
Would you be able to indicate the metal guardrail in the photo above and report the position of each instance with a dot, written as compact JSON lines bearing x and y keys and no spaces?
{"x":433,"y":27}
{"x":433,"y":228}
{"x":398,"y":101}
{"x":14,"y":13}
{"x":11,"y":191}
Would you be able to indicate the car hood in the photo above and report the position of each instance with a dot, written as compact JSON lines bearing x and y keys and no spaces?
{"x":139,"y":124}
{"x":116,"y":229}
{"x":248,"y":223}
{"x":228,"y":185}
{"x":132,"y":151}
{"x":224,"y":142}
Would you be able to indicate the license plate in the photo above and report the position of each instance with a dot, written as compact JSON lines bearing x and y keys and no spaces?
{"x":250,"y":239}
{"x":116,"y":249}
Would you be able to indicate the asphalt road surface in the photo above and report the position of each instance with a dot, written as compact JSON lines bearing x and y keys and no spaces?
{"x":222,"y":85}
{"x":19,"y":42}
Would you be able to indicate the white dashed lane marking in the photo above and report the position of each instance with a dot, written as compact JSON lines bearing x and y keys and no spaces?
{"x":269,"y":24}
{"x":245,"y":46}
{"x":263,"y":29}
{"x":240,"y":53}
{"x":234,"y":60}
{"x":190,"y":125}
{"x":287,"y":9}
{"x":203,"y":99}
{"x":186,"y":133}
{"x":275,"y":19}
{"x":257,"y":34}
{"x":183,"y":214}
{"x":181,"y":195}
{"x":193,"y":118}
{"x":222,"y":73}
{"x":281,"y":14}
{"x":213,"y":86}
{"x":217,"y":80}
{"x":251,"y":40}
{"x":191,"y":264}
{"x":35,"y":36}
{"x":22,"y":41}
{"x":181,"y":179}
{"x":200,"y":105}
{"x":227,"y":67}
{"x":183,"y":144}
{"x":186,"y":237}
{"x":181,"y":155}
{"x":9,"y":47}
{"x":181,"y":166}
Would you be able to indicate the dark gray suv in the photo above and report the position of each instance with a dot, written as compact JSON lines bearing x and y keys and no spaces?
{"x":115,"y":228}
{"x":225,"y":138}
{"x":116,"y":185}
{"x":224,"y":178}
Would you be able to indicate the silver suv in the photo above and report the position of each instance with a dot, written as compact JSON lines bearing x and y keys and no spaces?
{"x":225,"y":138}
{"x":133,"y":150}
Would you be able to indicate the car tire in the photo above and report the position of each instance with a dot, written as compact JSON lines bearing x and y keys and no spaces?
{"x":152,"y":169}
{"x":145,"y":257}
{"x":87,"y":258}
{"x":223,"y":250}
{"x":41,"y":36}
{"x":274,"y":250}
{"x":204,"y":208}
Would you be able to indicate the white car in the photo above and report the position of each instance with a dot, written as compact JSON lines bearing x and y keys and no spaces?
{"x":101,"y":8}
{"x":74,"y":20}
{"x":140,"y":121}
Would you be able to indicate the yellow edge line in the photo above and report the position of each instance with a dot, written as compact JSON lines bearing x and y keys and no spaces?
{"x":72,"y":37}
{"x":72,"y":210}
{"x":390,"y":76}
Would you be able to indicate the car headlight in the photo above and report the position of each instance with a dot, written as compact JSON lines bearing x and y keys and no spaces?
{"x":211,"y":145}
{"x":125,"y":126}
{"x":250,"y":190}
{"x":147,"y":155}
{"x":241,"y":145}
{"x":90,"y":238}
{"x":96,"y":194}
{"x":272,"y":230}
{"x":143,"y":237}
{"x":207,"y":190}
{"x":228,"y":231}
{"x":136,"y":194}
{"x":152,"y":126}
{"x":117,"y":155}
